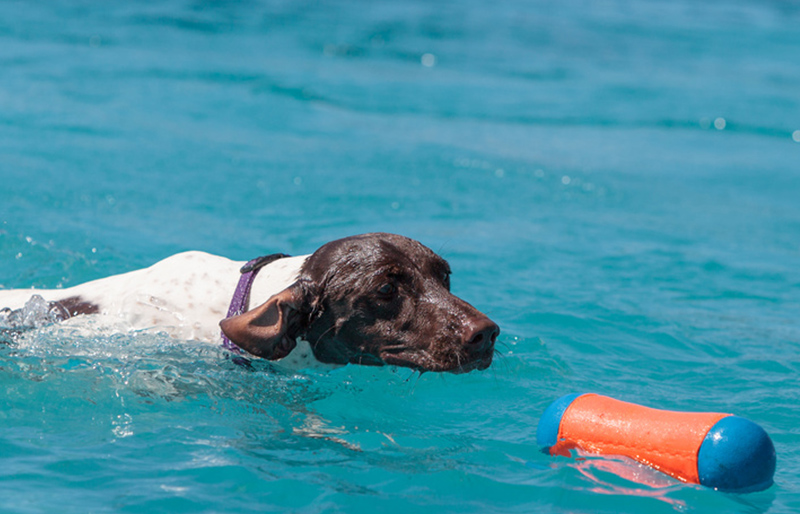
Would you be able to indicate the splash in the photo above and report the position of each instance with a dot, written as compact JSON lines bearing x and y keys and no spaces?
{"x":36,"y":313}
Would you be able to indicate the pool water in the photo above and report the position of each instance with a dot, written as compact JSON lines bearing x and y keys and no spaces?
{"x":615,"y":183}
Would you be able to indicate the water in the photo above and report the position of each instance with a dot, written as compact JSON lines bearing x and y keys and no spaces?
{"x":615,"y":183}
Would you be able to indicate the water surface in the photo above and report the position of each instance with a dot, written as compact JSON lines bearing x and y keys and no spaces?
{"x":615,"y":183}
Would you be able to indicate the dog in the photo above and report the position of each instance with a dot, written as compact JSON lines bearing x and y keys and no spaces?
{"x":372,"y":299}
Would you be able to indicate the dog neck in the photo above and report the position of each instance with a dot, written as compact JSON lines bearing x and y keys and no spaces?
{"x":271,"y":280}
{"x":274,"y":278}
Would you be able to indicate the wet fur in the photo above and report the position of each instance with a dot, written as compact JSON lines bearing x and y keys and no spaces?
{"x":371,"y":299}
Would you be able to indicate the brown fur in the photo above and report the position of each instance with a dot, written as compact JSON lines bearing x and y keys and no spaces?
{"x":371,"y":299}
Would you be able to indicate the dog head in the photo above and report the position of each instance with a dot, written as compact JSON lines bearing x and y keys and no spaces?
{"x":371,"y":299}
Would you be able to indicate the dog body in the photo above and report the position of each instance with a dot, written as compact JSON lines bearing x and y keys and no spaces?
{"x":371,"y":299}
{"x":185,"y":295}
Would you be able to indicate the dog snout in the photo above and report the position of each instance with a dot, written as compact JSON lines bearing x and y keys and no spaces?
{"x":480,"y":335}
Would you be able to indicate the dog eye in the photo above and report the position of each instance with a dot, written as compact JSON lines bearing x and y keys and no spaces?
{"x":386,"y":289}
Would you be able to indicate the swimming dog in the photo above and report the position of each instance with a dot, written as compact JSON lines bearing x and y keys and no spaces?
{"x":371,"y":299}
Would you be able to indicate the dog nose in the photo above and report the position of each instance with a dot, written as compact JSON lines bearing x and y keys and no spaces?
{"x":481,"y":335}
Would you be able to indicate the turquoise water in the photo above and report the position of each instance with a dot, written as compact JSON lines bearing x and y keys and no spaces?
{"x":615,"y":183}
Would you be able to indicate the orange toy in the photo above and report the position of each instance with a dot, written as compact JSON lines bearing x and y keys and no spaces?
{"x":716,"y":450}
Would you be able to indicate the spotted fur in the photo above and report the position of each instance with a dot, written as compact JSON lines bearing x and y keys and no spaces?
{"x":372,"y":299}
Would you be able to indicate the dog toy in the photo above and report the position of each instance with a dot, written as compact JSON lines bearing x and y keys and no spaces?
{"x":720,"y":451}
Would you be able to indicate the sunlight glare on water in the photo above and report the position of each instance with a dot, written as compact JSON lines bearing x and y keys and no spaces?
{"x":614,"y":183}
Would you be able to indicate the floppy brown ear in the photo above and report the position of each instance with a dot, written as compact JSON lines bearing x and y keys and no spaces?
{"x":266,"y":330}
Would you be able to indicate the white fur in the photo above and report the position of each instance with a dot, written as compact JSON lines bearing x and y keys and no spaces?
{"x":185,"y":295}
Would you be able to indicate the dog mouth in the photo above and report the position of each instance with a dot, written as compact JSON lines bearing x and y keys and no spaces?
{"x":421,"y":361}
{"x":479,"y":364}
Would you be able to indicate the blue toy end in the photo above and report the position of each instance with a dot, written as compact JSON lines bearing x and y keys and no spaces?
{"x":549,"y":423}
{"x":736,"y":456}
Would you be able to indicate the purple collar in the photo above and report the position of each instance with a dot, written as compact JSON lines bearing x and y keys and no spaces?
{"x":241,"y":297}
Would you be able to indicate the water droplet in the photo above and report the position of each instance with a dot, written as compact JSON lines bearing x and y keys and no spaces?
{"x":428,"y":60}
{"x":796,"y":136}
{"x":720,"y":123}
{"x":566,"y":180}
{"x":499,"y":173}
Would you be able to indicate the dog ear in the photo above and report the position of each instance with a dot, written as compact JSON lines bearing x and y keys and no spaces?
{"x":269,"y":330}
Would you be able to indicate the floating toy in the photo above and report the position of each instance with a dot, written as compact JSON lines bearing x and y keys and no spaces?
{"x":721,"y":451}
